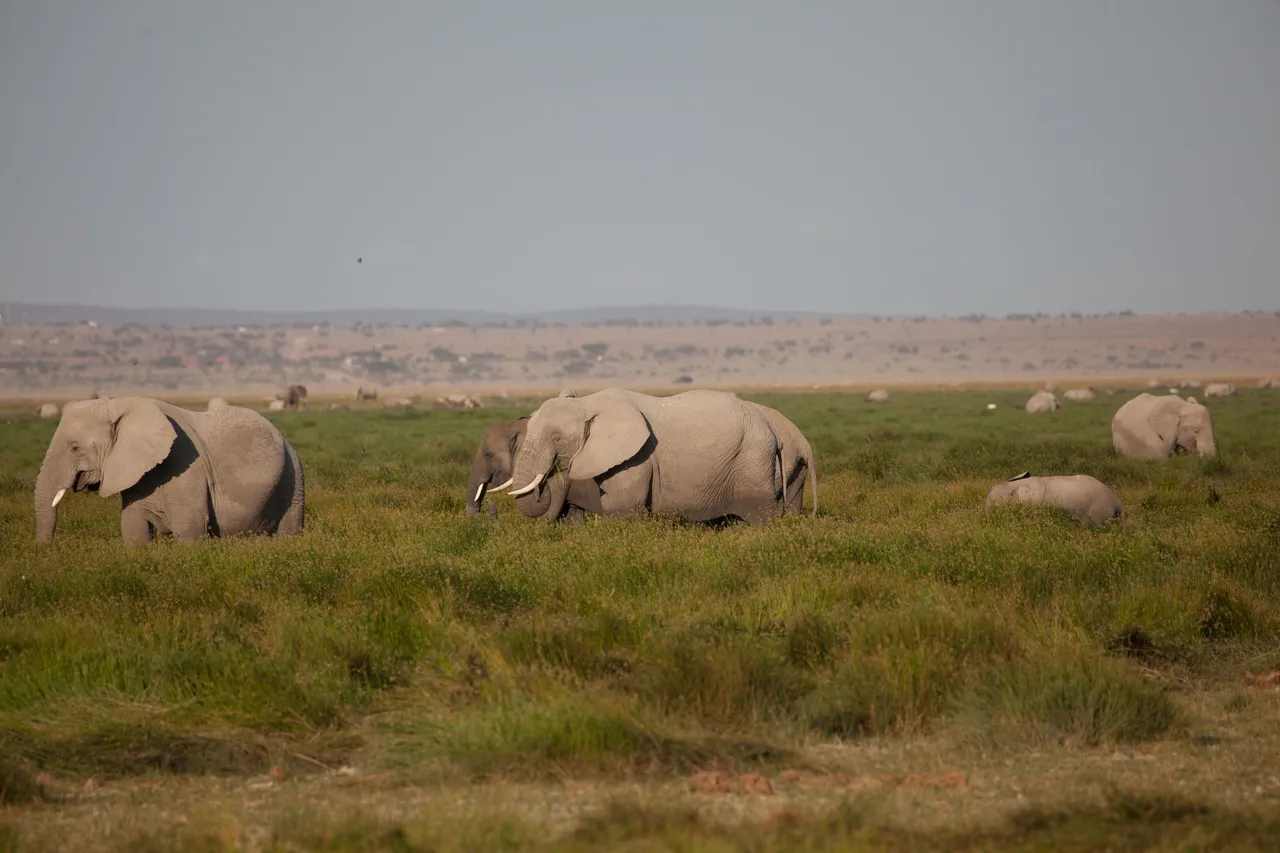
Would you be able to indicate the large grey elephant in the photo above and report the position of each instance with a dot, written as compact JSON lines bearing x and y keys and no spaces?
{"x":495,"y":461}
{"x":190,"y":474}
{"x":1087,"y":498}
{"x":699,"y":455}
{"x":1151,"y":427}
{"x":796,"y":458}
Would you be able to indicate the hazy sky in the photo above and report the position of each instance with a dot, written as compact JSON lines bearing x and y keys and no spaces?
{"x":899,"y":156}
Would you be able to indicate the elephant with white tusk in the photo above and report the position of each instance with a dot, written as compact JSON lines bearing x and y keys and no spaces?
{"x":189,"y":474}
{"x":699,"y":455}
{"x":1151,"y":427}
{"x":495,"y":461}
{"x":1086,"y":498}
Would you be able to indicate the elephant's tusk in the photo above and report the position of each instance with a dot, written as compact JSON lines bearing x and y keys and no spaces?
{"x":504,"y":485}
{"x":529,"y":488}
{"x":479,"y":492}
{"x":57,"y":497}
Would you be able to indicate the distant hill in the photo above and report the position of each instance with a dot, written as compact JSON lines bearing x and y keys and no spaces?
{"x":23,"y":313}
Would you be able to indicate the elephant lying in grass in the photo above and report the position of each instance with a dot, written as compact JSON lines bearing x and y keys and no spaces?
{"x":1085,"y":497}
{"x":1042,"y":402}
{"x":495,"y":461}
{"x":190,"y":474}
{"x":699,"y":455}
{"x":1151,"y":427}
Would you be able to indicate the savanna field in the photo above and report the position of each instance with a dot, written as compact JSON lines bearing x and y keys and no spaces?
{"x":902,"y":672}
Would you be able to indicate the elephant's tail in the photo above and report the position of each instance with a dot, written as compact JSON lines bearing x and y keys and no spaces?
{"x":813,"y":478}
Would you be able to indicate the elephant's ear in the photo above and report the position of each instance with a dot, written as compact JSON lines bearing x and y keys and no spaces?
{"x":143,"y":438}
{"x":1024,"y":475}
{"x":614,"y":431}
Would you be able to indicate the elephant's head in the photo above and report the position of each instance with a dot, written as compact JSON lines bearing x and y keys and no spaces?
{"x":1016,"y":488}
{"x":103,"y":445}
{"x":1195,"y":429}
{"x":576,"y":438}
{"x":495,"y":461}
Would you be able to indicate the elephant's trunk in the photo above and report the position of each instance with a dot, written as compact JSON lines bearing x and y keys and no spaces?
{"x":1205,"y":443}
{"x":478,"y":483}
{"x":536,"y":459}
{"x":51,"y":486}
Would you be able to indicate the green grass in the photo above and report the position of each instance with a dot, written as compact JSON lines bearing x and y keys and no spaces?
{"x":398,"y":630}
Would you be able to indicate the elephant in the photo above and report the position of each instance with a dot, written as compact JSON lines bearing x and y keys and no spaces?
{"x":879,"y":395}
{"x":293,"y":396}
{"x":362,"y":395}
{"x":215,"y":403}
{"x":1079,"y":395}
{"x":48,"y":411}
{"x":1043,"y":401}
{"x":1086,"y":498}
{"x":1151,"y":427}
{"x":796,"y":459}
{"x":1266,"y":384}
{"x":1219,"y":389}
{"x":495,"y":461}
{"x":699,"y":455}
{"x":187,"y":474}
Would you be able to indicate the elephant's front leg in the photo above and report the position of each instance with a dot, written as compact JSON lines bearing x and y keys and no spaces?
{"x":134,"y":526}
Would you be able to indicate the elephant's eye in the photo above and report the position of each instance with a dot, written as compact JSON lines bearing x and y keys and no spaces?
{"x":75,"y":447}
{"x":488,"y":453}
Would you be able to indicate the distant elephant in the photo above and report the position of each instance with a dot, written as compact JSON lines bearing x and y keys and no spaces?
{"x":371,"y":394}
{"x":495,"y":460}
{"x":878,"y":396}
{"x":293,"y":396}
{"x":275,"y":405}
{"x":1151,"y":427}
{"x":1041,"y":402}
{"x":48,"y":411}
{"x":1085,"y":497}
{"x":189,"y":474}
{"x":699,"y":455}
{"x":1079,"y":395}
{"x":1269,"y":383}
{"x":796,"y":458}
{"x":215,"y":403}
{"x":1219,"y":389}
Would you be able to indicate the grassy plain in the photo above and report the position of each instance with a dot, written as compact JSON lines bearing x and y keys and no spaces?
{"x":901,"y":672}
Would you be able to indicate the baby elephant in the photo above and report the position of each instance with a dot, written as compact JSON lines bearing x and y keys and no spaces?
{"x":1079,"y":494}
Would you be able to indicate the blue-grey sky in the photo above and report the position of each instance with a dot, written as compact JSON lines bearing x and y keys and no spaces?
{"x":886,"y":157}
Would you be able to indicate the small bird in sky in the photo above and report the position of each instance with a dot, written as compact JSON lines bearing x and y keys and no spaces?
{"x":359,"y":260}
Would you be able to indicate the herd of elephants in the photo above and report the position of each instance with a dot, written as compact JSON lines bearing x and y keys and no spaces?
{"x":699,"y":455}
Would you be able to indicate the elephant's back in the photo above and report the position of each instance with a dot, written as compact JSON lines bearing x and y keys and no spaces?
{"x":248,"y":457}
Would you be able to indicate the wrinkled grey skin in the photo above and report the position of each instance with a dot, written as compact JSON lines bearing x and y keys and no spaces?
{"x":1085,"y":497}
{"x":494,"y":464}
{"x":187,"y":474}
{"x":796,"y":459}
{"x":700,"y":455}
{"x":1151,"y":427}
